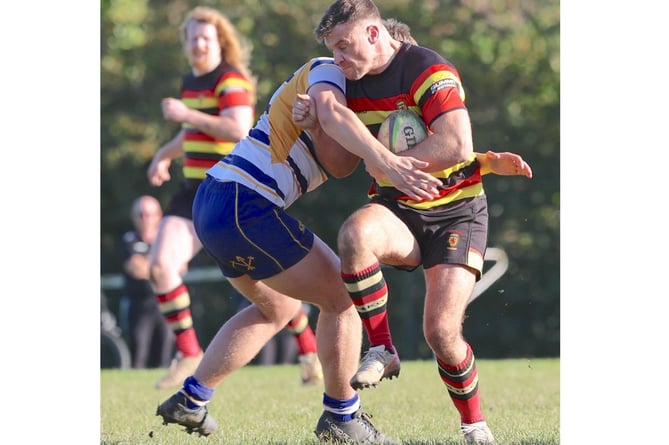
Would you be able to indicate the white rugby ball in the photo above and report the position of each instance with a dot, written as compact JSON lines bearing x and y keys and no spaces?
{"x":401,"y":130}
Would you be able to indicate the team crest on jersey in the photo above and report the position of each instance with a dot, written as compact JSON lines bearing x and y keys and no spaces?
{"x":247,"y":263}
{"x":453,"y":240}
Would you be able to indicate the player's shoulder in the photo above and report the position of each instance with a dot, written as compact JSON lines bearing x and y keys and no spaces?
{"x":226,"y":74}
{"x":422,"y":58}
{"x":317,"y":62}
{"x":324,"y":69}
{"x":422,"y":53}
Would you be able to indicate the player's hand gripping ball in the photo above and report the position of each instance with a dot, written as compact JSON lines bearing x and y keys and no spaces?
{"x":402,"y":130}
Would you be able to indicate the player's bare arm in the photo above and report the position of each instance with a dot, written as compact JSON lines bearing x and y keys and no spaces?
{"x":455,"y":149}
{"x":449,"y":143}
{"x":500,"y":163}
{"x":344,"y":126}
{"x":233,"y":123}
{"x":334,"y":158}
{"x":159,"y":169}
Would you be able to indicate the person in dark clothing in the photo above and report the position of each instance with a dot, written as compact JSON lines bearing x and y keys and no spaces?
{"x":150,"y":337}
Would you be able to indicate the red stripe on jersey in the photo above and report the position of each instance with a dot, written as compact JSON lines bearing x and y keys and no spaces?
{"x":234,"y":98}
{"x":199,"y":163}
{"x":198,"y":137}
{"x":475,"y":178}
{"x":442,"y":101}
{"x":430,"y":70}
{"x":388,"y":104}
{"x":196,"y":94}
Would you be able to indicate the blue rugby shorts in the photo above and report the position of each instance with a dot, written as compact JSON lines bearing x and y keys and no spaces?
{"x":245,"y":233}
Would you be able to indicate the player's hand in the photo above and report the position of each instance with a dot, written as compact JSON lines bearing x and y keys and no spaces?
{"x":304,"y":112}
{"x":405,"y":173}
{"x":159,"y":171}
{"x":174,"y":110}
{"x":506,"y":164}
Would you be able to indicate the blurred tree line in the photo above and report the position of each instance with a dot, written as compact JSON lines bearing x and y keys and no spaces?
{"x":507,"y":52}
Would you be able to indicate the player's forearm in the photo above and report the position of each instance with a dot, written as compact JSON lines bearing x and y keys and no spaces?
{"x":345,"y":128}
{"x":172,"y":149}
{"x":440,"y":154}
{"x":229,"y":128}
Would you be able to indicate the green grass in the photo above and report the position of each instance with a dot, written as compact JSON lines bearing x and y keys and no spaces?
{"x":268,"y":406}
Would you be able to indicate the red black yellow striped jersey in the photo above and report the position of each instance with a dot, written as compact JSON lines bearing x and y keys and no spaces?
{"x":210,"y":93}
{"x":421,"y":80}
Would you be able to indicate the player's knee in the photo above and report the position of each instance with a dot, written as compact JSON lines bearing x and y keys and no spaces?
{"x":352,"y":236}
{"x":442,"y":340}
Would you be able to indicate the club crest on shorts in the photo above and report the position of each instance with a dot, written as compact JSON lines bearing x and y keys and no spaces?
{"x":243,"y":263}
{"x":453,"y":240}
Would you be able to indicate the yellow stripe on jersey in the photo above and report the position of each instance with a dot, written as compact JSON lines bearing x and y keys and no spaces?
{"x":433,"y":79}
{"x":372,"y":117}
{"x":466,"y":192}
{"x":195,"y":172}
{"x":199,"y":103}
{"x":445,"y":173}
{"x":283,"y":131}
{"x":461,"y":193}
{"x":233,"y":82}
{"x":222,"y":148}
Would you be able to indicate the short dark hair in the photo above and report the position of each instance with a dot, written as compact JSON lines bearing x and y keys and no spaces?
{"x":344,"y":11}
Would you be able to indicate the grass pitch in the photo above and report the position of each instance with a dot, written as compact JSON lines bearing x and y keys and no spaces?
{"x":268,"y":406}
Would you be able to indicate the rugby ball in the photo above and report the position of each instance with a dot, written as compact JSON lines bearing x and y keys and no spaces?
{"x":401,"y":130}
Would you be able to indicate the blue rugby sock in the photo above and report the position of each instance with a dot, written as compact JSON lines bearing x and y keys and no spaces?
{"x":342,"y":410}
{"x":196,"y":392}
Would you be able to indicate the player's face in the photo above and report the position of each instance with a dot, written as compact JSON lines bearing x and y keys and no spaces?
{"x":351,"y":48}
{"x":202,"y":47}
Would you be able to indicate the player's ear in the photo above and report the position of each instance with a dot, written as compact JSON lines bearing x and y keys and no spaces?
{"x":372,"y":33}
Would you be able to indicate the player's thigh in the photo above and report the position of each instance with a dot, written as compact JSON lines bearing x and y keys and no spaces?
{"x":316,"y":279}
{"x":176,"y":243}
{"x":377,"y":229}
{"x":274,"y":304}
